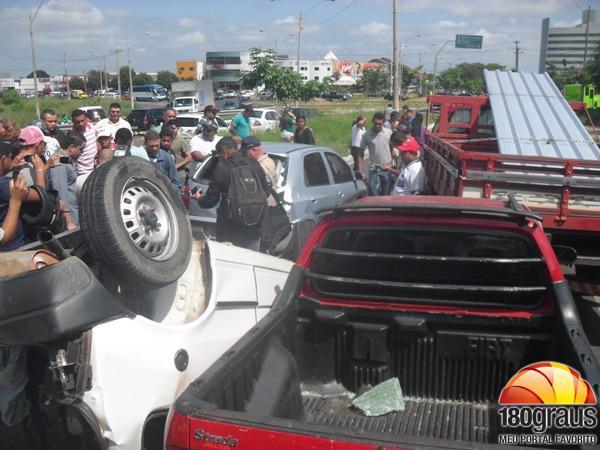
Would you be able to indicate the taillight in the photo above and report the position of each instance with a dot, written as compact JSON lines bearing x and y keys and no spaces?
{"x":257,"y":123}
{"x":178,"y":431}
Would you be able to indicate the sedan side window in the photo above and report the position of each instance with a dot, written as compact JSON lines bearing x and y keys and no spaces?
{"x":340,"y":170}
{"x":270,"y":115}
{"x":315,"y":173}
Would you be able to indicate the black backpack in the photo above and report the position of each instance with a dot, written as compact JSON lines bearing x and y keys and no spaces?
{"x":246,"y":196}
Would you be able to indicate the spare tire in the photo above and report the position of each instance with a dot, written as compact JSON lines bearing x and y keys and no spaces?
{"x":134,"y":223}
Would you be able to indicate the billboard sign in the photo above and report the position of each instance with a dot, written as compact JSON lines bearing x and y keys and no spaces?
{"x":468,"y":41}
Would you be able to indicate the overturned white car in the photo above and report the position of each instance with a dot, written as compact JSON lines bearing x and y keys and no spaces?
{"x":117,"y":318}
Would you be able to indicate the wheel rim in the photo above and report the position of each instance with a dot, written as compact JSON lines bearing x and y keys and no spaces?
{"x":149,"y":219}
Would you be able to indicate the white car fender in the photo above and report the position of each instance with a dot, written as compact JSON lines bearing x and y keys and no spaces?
{"x":133,"y":359}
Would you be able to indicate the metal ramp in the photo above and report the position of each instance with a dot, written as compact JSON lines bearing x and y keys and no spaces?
{"x":532,"y":118}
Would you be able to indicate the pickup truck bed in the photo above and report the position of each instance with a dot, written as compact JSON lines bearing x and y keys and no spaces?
{"x":344,"y":323}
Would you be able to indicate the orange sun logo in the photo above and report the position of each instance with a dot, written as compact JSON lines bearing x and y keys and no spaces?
{"x":547,"y":383}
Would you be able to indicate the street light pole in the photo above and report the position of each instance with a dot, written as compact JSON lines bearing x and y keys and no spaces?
{"x":35,"y":83}
{"x":435,"y":62}
{"x":299,"y":40}
{"x":395,"y":56}
{"x":130,"y":77}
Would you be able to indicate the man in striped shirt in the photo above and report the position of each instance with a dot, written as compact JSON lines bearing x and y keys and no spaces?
{"x":85,"y":163}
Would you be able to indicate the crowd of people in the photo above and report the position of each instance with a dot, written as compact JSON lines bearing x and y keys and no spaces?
{"x":394,"y":142}
{"x":41,"y":161}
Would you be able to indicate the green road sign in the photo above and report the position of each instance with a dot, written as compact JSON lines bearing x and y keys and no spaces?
{"x":468,"y":41}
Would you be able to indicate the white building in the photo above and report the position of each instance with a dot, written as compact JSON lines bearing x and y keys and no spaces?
{"x":570,"y":46}
{"x":316,"y":69}
{"x":7,"y":83}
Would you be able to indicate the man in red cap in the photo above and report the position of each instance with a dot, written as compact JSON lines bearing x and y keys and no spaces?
{"x":412,"y":176}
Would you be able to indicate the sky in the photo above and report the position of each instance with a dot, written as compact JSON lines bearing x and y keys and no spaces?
{"x":163,"y":32}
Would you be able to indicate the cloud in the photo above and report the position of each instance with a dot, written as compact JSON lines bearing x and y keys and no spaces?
{"x":189,"y":40}
{"x":450,"y":24}
{"x":189,"y":22}
{"x":288,"y":20}
{"x":374,"y":29}
{"x":119,"y":13}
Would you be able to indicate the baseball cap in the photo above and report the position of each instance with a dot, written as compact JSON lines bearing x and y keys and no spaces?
{"x":410,"y":145}
{"x":6,"y":148}
{"x":30,"y":136}
{"x":210,"y":108}
{"x":249,"y":142}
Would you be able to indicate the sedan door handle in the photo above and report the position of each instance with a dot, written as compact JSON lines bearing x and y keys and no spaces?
{"x":314,"y":200}
{"x":341,"y":194}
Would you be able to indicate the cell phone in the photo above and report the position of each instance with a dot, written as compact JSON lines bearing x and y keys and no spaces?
{"x":64,"y":160}
{"x":195,"y":189}
{"x":27,"y":159}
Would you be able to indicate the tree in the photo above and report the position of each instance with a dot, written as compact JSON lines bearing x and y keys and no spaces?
{"x":10,"y":97}
{"x":93,"y":79}
{"x":124,"y":71}
{"x":312,"y":89}
{"x":76,"y":83}
{"x":285,"y":83}
{"x":39,"y":73}
{"x":562,"y":76}
{"x":373,"y":81}
{"x":140,"y":78}
{"x":591,"y":70}
{"x":166,"y":78}
{"x":467,"y":77}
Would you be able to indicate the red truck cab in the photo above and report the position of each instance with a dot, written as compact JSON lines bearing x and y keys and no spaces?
{"x":462,"y":158}
{"x":449,"y":295}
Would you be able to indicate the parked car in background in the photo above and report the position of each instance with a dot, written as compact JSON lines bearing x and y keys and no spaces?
{"x":229,"y":94}
{"x":310,"y":179}
{"x":336,"y":95}
{"x":304,"y":112}
{"x":229,"y":105}
{"x":266,"y":95}
{"x":264,"y":119}
{"x":188,"y":123}
{"x":95,"y":113}
{"x":136,"y":118}
{"x":153,"y":117}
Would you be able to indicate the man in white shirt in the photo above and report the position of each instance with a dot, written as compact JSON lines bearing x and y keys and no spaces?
{"x":86,"y":161}
{"x":202,"y":144}
{"x":113,"y":122}
{"x":412,"y":176}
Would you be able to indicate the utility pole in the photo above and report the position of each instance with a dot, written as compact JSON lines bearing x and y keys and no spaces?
{"x":435,"y":62}
{"x":587,"y":30}
{"x":100,"y":74}
{"x":130,"y":77}
{"x":67,"y":76}
{"x":117,"y":51}
{"x":35,"y":83}
{"x":395,"y":90}
{"x":420,"y":74}
{"x":104,"y":70}
{"x":299,"y":39}
{"x":517,"y":51}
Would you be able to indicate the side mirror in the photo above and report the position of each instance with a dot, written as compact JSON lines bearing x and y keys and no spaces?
{"x":358,"y":175}
{"x":564,"y":254}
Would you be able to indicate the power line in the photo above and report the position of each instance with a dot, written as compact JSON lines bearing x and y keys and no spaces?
{"x":339,"y":12}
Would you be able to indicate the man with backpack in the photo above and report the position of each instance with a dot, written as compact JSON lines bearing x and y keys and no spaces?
{"x":240,"y":185}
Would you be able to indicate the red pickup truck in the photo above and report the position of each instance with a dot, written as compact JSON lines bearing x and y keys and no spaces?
{"x":450,"y":296}
{"x":462,"y":159}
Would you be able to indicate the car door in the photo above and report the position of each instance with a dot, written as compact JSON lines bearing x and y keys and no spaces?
{"x":201,"y":178}
{"x":317,"y":192}
{"x":344,"y":185}
{"x":272,"y":119}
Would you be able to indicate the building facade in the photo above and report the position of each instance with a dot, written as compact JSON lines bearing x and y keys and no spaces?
{"x":570,"y":46}
{"x":316,"y":69}
{"x":226,"y":68}
{"x":189,"y":69}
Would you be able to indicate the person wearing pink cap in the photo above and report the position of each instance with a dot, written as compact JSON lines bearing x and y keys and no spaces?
{"x":33,"y":146}
{"x":412,"y":176}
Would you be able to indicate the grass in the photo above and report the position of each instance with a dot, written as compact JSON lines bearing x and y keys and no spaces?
{"x":23,"y":111}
